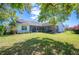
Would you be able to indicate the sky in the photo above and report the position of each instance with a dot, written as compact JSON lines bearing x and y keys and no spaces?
{"x":73,"y":20}
{"x":36,"y":10}
{"x":30,"y":16}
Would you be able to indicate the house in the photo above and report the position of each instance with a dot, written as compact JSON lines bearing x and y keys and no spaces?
{"x":23,"y":26}
{"x":60,"y":27}
{"x":33,"y":26}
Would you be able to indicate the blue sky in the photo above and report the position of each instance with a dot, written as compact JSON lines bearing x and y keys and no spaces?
{"x":73,"y":20}
{"x":32,"y":16}
{"x":35,"y":12}
{"x":25,"y":15}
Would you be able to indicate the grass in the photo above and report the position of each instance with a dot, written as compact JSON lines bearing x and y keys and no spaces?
{"x":40,"y":43}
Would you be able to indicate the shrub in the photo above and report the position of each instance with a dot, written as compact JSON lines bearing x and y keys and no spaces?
{"x":2,"y":30}
{"x":76,"y":31}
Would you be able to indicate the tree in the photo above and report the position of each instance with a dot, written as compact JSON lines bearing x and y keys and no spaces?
{"x":8,"y":11}
{"x":53,"y":22}
{"x":59,"y":10}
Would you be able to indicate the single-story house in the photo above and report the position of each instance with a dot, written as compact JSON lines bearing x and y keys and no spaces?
{"x":23,"y":26}
{"x":33,"y":26}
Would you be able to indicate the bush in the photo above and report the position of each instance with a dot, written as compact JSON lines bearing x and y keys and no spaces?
{"x":76,"y":31}
{"x":2,"y":30}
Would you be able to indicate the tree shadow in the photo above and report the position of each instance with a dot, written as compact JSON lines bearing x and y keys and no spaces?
{"x":37,"y":46}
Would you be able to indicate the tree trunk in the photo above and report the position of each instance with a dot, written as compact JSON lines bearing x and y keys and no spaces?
{"x":13,"y":29}
{"x":53,"y":28}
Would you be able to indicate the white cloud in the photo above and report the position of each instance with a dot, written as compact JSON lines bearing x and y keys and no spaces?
{"x":34,"y":17}
{"x":35,"y":12}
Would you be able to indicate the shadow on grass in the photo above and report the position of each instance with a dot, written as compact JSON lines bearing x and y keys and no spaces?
{"x":36,"y":46}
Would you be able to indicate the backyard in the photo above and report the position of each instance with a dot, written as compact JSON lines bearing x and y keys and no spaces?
{"x":40,"y":43}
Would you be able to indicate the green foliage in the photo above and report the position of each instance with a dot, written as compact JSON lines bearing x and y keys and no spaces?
{"x":8,"y":11}
{"x":59,"y":10}
{"x":76,"y":31}
{"x":53,"y":21}
{"x":2,"y":30}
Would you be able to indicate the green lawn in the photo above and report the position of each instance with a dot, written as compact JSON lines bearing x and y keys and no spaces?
{"x":40,"y":43}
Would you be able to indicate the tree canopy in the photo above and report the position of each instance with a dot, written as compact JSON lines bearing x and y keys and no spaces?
{"x":59,"y":10}
{"x":8,"y":10}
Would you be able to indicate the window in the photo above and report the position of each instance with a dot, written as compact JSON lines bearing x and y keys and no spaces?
{"x":24,"y":27}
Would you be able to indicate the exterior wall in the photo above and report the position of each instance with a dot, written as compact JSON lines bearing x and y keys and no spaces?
{"x":61,"y":28}
{"x":19,"y":28}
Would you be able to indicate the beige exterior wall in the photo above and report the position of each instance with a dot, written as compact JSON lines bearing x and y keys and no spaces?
{"x":19,"y":28}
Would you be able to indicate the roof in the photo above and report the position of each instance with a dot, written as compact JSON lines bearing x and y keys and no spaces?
{"x":30,"y":22}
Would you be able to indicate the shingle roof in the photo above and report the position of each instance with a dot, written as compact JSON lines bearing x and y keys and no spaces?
{"x":29,"y":22}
